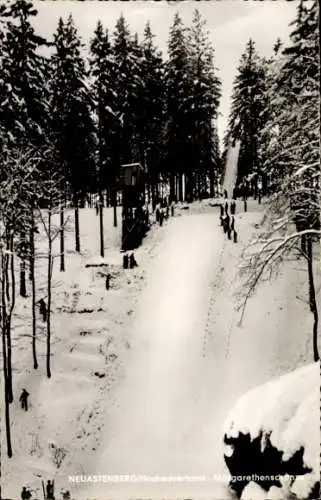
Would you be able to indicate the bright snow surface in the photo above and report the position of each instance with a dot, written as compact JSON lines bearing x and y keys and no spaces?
{"x":185,"y":360}
{"x":156,"y":426}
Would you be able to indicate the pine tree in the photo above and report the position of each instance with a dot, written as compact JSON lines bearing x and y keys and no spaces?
{"x":128,"y":84}
{"x":103,"y":72}
{"x":24,"y":102}
{"x":102,"y":69}
{"x":290,"y":153}
{"x":179,"y":99}
{"x":247,"y":115}
{"x":206,"y":95}
{"x":72,"y":120}
{"x":152,"y":110}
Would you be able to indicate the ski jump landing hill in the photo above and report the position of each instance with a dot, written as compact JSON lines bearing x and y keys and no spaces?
{"x":230,"y":175}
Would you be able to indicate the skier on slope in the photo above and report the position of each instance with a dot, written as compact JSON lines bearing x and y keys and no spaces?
{"x":43,"y":309}
{"x":24,"y":399}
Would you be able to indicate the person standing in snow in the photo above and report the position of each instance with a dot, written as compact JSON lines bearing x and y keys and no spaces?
{"x":227,"y":222}
{"x":24,"y":399}
{"x":50,"y":490}
{"x":125,"y":261}
{"x":108,"y":281}
{"x":235,"y":236}
{"x":245,"y":204}
{"x":259,"y":192}
{"x":132,"y":261}
{"x":43,"y":309}
{"x":25,"y":493}
{"x":161,"y":217}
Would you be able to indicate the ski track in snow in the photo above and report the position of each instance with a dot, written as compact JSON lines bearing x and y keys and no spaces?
{"x":160,"y":425}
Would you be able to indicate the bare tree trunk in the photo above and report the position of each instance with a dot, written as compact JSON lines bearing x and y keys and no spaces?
{"x":212,"y":181}
{"x":4,"y":356}
{"x":172,"y":187}
{"x":198,"y":185}
{"x":101,"y":225}
{"x":180,"y":187}
{"x":62,"y":238}
{"x":48,"y":354}
{"x":23,"y":290}
{"x":149,"y":192}
{"x":77,"y":233}
{"x":7,"y":281}
{"x":33,"y":289}
{"x":9,"y":316}
{"x":153,"y":194}
{"x":312,"y":298}
{"x":115,"y":205}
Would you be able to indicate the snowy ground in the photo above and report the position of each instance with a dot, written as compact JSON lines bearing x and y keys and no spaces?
{"x":175,"y":360}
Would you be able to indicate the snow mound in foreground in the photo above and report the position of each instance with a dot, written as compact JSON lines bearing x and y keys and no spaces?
{"x":284,"y":415}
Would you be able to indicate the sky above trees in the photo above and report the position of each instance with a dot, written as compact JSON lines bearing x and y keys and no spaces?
{"x":230,"y":23}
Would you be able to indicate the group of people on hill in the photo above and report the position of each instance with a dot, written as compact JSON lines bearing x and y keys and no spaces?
{"x":228,"y":220}
{"x":49,"y":492}
{"x":246,"y":188}
{"x":129,"y":261}
{"x":162,"y":211}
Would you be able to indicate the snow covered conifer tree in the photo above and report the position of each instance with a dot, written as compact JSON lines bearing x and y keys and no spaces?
{"x":24,"y":110}
{"x":152,"y":109}
{"x":206,"y":95}
{"x":72,"y":121}
{"x":247,"y":115}
{"x":290,"y":151}
{"x":179,"y":102}
{"x":103,"y":71}
{"x":128,"y":84}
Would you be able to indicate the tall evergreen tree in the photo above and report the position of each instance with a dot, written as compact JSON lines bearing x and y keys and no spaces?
{"x":128,"y":83}
{"x":289,"y":148}
{"x":179,"y":99}
{"x":102,"y":68}
{"x":24,"y":100}
{"x":206,"y":95}
{"x":247,"y":115}
{"x":102,"y":71}
{"x":152,"y":109}
{"x":72,"y":120}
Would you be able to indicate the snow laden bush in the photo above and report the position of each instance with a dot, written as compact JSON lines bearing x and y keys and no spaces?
{"x":272,"y":437}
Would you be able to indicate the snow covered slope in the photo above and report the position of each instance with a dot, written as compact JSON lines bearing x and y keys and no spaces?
{"x":172,"y":358}
{"x":156,"y":427}
{"x":231,"y":167}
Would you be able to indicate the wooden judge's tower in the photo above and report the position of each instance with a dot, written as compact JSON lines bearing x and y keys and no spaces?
{"x":134,"y":223}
